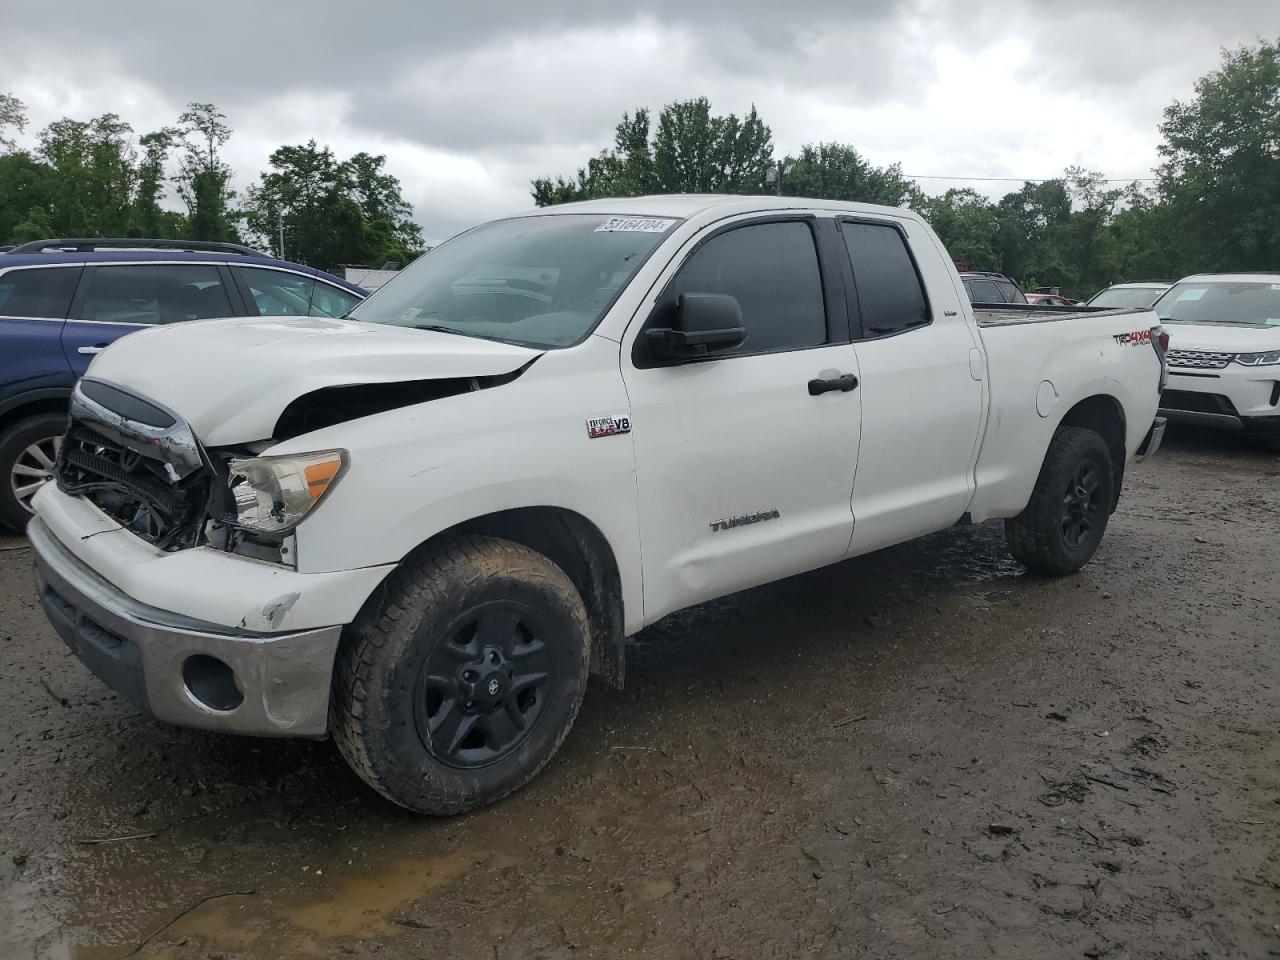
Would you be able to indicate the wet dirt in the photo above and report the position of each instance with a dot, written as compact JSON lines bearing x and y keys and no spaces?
{"x":923,"y":752}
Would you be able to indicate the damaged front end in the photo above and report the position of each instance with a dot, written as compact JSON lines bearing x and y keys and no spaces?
{"x":141,"y":464}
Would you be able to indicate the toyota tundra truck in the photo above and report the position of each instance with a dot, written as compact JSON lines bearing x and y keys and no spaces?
{"x":419,"y":528}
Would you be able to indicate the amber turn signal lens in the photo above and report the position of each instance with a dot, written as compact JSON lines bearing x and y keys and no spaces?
{"x":320,"y":475}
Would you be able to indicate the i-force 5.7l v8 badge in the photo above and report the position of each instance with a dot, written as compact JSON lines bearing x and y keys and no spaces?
{"x":608,"y":426}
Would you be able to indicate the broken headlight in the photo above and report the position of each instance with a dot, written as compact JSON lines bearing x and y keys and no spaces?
{"x":273,"y":494}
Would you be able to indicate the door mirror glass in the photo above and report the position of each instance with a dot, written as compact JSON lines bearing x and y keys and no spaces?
{"x":703,"y":324}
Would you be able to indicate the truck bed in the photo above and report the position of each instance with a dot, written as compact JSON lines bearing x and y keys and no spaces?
{"x":1008,"y":314}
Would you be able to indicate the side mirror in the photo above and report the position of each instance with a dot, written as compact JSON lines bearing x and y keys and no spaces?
{"x":703,"y":323}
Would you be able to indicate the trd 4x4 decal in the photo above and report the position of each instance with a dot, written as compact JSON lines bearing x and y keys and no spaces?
{"x":1135,"y":339}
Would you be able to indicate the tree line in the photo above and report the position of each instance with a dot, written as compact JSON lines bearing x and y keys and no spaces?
{"x":1214,"y":204}
{"x":96,"y":178}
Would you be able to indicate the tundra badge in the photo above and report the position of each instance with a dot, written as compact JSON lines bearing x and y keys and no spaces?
{"x":728,"y":523}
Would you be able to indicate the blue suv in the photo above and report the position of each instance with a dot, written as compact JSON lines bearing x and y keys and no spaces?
{"x":62,"y":301}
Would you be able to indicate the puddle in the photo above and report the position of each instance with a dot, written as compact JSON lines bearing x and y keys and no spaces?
{"x":361,"y":905}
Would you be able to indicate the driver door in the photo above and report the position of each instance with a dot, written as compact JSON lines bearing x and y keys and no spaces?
{"x":744,"y":471}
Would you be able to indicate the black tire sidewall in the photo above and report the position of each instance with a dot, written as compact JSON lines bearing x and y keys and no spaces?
{"x":14,"y":440}
{"x":1035,"y":536}
{"x":406,"y":770}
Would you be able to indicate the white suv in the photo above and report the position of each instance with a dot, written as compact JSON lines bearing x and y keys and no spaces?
{"x":1224,"y":356}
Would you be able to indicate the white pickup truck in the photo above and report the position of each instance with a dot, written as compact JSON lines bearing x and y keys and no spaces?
{"x":421,"y":527}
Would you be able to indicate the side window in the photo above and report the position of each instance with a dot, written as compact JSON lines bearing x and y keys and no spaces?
{"x":984,"y":291}
{"x":277,"y":293}
{"x":330,"y":301}
{"x":890,"y":297}
{"x":154,"y":293}
{"x":772,"y":270}
{"x":40,"y":292}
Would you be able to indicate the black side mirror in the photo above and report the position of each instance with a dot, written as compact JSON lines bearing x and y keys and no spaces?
{"x":703,"y":323}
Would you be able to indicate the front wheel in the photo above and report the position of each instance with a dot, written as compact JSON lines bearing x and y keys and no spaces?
{"x":465,"y":680}
{"x":1061,"y":527}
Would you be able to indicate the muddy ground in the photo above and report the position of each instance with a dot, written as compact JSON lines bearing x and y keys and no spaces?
{"x":924,"y":752}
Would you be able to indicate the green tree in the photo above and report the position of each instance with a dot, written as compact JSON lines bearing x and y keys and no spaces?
{"x":13,"y":116}
{"x":690,"y":150}
{"x":389,"y":230}
{"x":965,"y":221}
{"x":836,"y":171}
{"x":1221,"y":175}
{"x":148,"y":218}
{"x":332,"y":212}
{"x":203,"y":178}
{"x":92,"y":175}
{"x":26,"y":191}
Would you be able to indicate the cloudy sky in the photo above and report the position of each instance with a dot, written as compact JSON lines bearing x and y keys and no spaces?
{"x":471,"y":100}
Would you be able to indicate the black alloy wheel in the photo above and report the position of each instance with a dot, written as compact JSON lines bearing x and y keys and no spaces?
{"x":482,"y":690}
{"x":1082,"y":504}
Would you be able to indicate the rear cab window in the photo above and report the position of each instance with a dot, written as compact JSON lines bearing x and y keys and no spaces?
{"x":889,"y":293}
{"x":38,"y":292}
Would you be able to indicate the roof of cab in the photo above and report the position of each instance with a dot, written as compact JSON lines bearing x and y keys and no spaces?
{"x":686,"y":205}
{"x":165,"y":256}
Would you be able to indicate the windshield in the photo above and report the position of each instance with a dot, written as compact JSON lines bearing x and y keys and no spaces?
{"x":540,"y":281}
{"x":1252,"y":303}
{"x":1126,"y":297}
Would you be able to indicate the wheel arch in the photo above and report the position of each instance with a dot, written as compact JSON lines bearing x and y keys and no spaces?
{"x":46,"y":400}
{"x":1104,"y":415}
{"x":579,"y":548}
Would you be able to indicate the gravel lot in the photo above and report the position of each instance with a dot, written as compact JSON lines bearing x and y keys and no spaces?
{"x":924,"y":752}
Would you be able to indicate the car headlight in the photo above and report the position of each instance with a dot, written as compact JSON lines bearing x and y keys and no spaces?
{"x":273,"y":494}
{"x":1258,"y":359}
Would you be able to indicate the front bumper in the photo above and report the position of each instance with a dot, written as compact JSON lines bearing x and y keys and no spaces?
{"x":1233,"y":397}
{"x":185,"y":671}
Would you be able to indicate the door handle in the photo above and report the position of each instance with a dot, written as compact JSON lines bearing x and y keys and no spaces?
{"x":91,"y":350}
{"x":844,"y":383}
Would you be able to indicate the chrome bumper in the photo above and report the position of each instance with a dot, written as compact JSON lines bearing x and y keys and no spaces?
{"x":1151,"y":443}
{"x":186,"y":671}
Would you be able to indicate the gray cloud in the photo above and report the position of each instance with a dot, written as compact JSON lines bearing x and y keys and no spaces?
{"x":470,"y":101}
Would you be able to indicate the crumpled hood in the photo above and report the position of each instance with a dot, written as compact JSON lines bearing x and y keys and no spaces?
{"x":231,"y":379}
{"x":1222,"y":337}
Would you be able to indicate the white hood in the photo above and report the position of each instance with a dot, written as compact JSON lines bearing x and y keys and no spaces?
{"x":231,"y":379}
{"x":1222,"y":337}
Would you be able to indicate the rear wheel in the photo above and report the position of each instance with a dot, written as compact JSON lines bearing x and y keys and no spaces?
{"x":1062,"y":525}
{"x":464,"y":682}
{"x":28,"y":451}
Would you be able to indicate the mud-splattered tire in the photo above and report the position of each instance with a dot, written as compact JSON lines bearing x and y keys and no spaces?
{"x":433,"y":703}
{"x":1061,"y":527}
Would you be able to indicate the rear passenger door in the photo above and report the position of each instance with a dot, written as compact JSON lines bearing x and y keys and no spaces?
{"x":921,"y":386}
{"x":743,"y":474}
{"x":117,"y":299}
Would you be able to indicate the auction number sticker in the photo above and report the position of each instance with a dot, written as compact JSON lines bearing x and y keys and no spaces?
{"x":635,"y":225}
